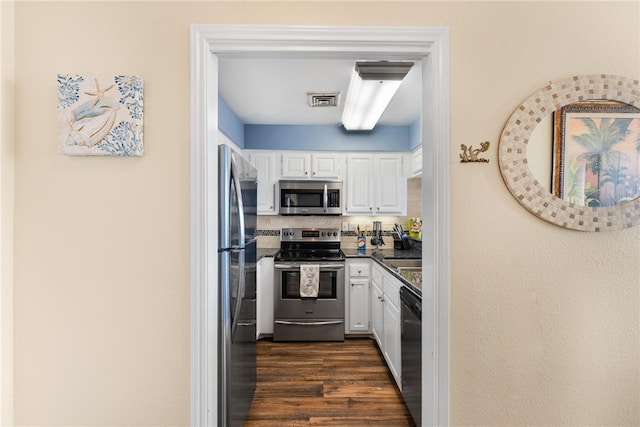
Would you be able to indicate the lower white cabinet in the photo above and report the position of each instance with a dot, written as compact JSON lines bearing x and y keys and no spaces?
{"x":385,"y":317}
{"x":357,"y":275}
{"x":264,"y":295}
{"x":392,"y":325}
{"x":377,"y":311}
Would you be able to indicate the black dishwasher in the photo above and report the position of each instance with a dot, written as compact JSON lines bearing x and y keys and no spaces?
{"x":411,"y":352}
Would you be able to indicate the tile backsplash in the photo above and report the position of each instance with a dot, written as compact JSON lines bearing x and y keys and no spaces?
{"x":269,"y":226}
{"x":414,"y":197}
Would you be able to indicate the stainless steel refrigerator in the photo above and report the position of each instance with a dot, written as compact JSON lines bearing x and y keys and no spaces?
{"x":237,"y":291}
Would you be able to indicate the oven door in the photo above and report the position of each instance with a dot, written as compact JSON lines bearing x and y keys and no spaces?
{"x":330,"y":301}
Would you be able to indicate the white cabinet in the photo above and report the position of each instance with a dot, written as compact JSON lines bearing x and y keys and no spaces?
{"x":392,"y":326}
{"x":416,"y":161}
{"x":265,"y":163}
{"x":376,"y":184}
{"x":385,"y":317}
{"x":295,"y":165}
{"x":303,"y":165}
{"x":264,"y":294}
{"x":358,"y":296}
{"x":377,"y":309}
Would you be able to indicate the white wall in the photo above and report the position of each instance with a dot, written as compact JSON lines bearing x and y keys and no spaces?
{"x":544,"y":321}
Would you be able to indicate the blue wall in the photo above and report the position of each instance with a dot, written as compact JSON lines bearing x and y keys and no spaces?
{"x":415,"y":136}
{"x":229,"y":123}
{"x":326,"y":138}
{"x":315,"y":137}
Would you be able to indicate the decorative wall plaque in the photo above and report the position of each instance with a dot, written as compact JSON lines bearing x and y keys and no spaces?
{"x":100,"y":116}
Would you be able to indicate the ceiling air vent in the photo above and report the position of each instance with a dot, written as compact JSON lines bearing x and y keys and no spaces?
{"x":323,"y":99}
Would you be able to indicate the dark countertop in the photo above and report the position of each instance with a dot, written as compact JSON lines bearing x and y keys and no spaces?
{"x":266,"y":252}
{"x":410,"y":279}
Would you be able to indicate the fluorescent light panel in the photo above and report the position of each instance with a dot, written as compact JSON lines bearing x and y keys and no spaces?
{"x":372,"y":86}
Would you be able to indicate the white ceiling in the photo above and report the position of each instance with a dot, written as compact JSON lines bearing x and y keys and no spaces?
{"x":274,"y":90}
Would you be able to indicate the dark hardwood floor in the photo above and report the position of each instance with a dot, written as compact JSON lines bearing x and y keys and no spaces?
{"x":325,"y":384}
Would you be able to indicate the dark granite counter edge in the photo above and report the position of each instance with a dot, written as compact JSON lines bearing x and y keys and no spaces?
{"x":265,"y":253}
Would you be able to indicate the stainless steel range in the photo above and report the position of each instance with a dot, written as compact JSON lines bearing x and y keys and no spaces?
{"x":298,"y":316}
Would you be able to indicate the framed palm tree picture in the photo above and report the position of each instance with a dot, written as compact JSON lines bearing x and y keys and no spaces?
{"x":596,"y":153}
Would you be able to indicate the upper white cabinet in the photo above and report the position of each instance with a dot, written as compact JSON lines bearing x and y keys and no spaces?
{"x":304,"y":165}
{"x":376,"y":184}
{"x":265,"y":162}
{"x":295,"y":165}
{"x":416,"y":161}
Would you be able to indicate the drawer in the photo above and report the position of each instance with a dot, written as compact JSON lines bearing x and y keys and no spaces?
{"x":359,"y":270}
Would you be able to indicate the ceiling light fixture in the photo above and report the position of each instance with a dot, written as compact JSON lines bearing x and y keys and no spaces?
{"x":372,"y":86}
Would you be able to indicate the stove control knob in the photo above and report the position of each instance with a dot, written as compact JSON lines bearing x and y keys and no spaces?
{"x":335,"y":234}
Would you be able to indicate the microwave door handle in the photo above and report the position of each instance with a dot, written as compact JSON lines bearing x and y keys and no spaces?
{"x":325,"y":198}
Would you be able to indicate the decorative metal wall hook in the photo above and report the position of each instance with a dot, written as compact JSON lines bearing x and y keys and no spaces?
{"x":470,"y":154}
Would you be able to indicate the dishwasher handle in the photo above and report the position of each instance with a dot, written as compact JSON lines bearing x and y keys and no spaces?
{"x":411,"y":301}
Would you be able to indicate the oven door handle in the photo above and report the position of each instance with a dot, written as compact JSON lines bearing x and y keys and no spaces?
{"x":322,"y":266}
{"x":329,"y":322}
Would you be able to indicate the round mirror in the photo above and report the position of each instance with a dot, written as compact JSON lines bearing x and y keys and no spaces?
{"x":549,"y":187}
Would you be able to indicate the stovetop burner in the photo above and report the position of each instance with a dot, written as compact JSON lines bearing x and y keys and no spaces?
{"x":310,"y":245}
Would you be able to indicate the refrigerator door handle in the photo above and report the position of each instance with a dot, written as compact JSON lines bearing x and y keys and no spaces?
{"x":235,"y":179}
{"x":241,"y":288}
{"x":236,"y":183}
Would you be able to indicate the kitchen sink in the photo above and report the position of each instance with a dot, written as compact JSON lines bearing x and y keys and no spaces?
{"x":409,"y":269}
{"x":405,"y":264}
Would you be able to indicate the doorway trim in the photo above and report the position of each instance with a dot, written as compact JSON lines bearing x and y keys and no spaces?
{"x":431,"y":45}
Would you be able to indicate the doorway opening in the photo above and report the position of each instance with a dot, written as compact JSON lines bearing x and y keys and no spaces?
{"x":428,"y":44}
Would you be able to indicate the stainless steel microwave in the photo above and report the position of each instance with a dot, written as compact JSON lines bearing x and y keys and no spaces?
{"x":310,"y":197}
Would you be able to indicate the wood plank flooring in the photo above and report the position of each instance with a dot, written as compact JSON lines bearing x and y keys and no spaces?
{"x":325,"y":384}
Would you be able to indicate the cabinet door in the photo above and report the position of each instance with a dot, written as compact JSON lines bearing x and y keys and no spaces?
{"x":377,"y":313}
{"x":265,"y":163}
{"x":358,"y":307}
{"x":264,"y":293}
{"x":359,"y":184}
{"x":391,"y":324}
{"x":391,"y":186}
{"x":295,"y":165}
{"x":327,"y":165}
{"x":416,"y":162}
